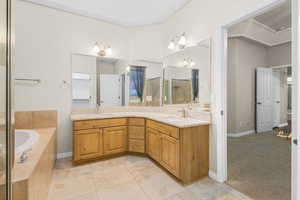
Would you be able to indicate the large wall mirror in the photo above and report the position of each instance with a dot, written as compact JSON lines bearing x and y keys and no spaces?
{"x":187,"y":75}
{"x":110,"y":82}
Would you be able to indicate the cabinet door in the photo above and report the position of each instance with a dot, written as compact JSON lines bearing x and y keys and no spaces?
{"x":115,"y":140}
{"x":170,"y":154}
{"x":88,"y":144}
{"x":154,"y":144}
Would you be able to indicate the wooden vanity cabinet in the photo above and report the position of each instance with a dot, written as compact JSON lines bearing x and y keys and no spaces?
{"x":162,"y":147}
{"x":136,"y":135}
{"x":170,"y":154}
{"x":97,"y":138}
{"x":88,"y":144}
{"x":183,"y":152}
{"x":115,"y":140}
{"x":154,"y":144}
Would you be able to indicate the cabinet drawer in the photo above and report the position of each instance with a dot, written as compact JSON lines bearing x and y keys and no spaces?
{"x":136,"y":132}
{"x":163,"y":128}
{"x":87,"y":131}
{"x":137,"y":146}
{"x":100,"y":123}
{"x":136,"y":122}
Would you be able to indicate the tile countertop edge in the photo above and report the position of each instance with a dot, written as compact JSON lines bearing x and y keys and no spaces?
{"x":185,"y":124}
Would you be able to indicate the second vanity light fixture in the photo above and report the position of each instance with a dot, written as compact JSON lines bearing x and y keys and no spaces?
{"x":104,"y":51}
{"x":188,"y":63}
{"x":179,"y":42}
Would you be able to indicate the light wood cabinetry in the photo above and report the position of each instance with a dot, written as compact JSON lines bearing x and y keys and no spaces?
{"x":170,"y":154}
{"x":88,"y":144}
{"x":136,"y":131}
{"x":97,"y":138}
{"x":115,"y":140}
{"x":154,"y":144}
{"x":184,"y":152}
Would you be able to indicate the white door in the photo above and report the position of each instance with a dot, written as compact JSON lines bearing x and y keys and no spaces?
{"x":110,"y":90}
{"x":264,"y":100}
{"x":276,"y":99}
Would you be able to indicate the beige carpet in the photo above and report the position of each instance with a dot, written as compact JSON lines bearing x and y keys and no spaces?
{"x":259,"y":166}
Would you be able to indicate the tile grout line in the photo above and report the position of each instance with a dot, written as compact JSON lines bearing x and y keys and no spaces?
{"x":147,"y":196}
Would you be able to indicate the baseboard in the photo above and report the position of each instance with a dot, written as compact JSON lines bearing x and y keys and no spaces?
{"x":64,"y":155}
{"x":241,"y":133}
{"x":213,"y":175}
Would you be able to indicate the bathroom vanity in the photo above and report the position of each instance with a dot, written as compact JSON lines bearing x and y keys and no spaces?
{"x":126,"y":99}
{"x":179,"y":145}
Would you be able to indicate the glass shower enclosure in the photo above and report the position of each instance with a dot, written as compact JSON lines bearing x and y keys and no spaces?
{"x":6,"y":141}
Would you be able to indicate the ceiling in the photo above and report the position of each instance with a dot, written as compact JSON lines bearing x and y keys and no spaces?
{"x":279,"y":18}
{"x":122,"y":12}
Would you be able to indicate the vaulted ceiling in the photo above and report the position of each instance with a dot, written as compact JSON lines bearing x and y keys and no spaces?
{"x":123,"y":12}
{"x":279,"y":18}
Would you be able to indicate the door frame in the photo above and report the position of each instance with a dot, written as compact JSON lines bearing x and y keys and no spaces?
{"x":220,"y":95}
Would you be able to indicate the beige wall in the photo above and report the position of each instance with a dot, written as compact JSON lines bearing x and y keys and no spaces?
{"x":244,"y":57}
{"x":280,"y":54}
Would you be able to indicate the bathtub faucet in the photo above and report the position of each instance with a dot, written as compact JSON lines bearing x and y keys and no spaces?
{"x":24,"y":156}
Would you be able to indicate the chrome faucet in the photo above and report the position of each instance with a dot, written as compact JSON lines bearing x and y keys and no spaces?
{"x":186,"y":111}
{"x":24,"y":156}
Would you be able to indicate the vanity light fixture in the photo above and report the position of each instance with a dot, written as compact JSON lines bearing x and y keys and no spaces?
{"x":105,"y":51}
{"x":188,"y":63}
{"x":108,"y":51}
{"x":171,"y":45}
{"x":185,"y":63}
{"x":180,"y":44}
{"x":182,"y":41}
{"x":192,"y":63}
{"x":96,"y":48}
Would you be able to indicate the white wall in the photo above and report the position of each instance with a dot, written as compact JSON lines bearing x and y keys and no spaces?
{"x":45,"y":40}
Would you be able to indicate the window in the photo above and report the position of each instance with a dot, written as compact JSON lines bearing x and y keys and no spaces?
{"x":137,"y":82}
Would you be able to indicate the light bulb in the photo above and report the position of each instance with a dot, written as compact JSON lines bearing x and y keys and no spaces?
{"x":108,"y":51}
{"x":96,"y":48}
{"x":182,"y":40}
{"x":192,"y":63}
{"x":128,"y":68}
{"x":171,"y":45}
{"x":185,"y":63}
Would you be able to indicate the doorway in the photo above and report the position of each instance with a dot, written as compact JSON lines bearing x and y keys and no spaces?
{"x":222,"y":93}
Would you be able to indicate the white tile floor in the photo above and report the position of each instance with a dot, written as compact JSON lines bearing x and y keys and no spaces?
{"x":130,"y":178}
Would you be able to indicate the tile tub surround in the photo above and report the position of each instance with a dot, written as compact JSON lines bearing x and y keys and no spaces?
{"x":169,"y":119}
{"x":31,"y":179}
{"x":127,"y":178}
{"x":36,"y":119}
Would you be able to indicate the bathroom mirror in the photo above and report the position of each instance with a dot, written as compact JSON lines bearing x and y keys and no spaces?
{"x":187,"y":75}
{"x":108,"y":82}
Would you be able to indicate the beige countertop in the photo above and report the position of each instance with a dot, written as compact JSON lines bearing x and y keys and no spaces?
{"x":22,"y":171}
{"x":170,"y":119}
